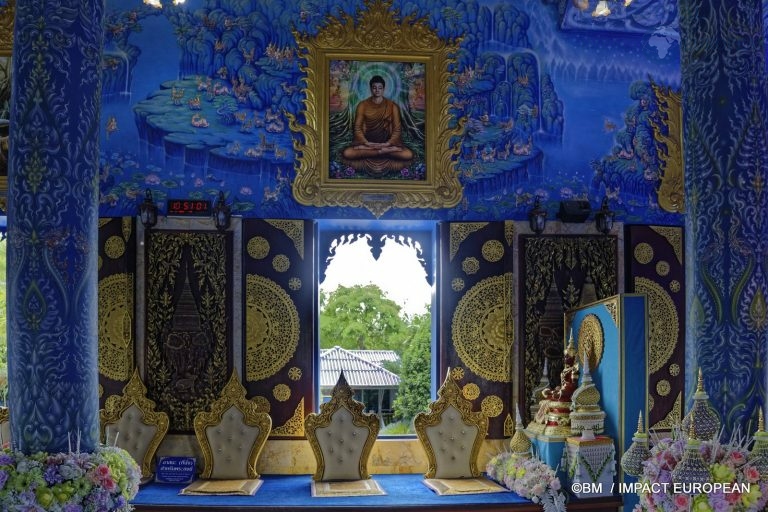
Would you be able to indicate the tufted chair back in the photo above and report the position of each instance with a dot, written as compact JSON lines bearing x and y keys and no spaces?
{"x":232,"y":434}
{"x":131,"y":422}
{"x":341,"y":436}
{"x":451,"y":434}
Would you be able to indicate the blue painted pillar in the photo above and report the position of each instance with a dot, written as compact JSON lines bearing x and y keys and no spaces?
{"x":53,"y":223}
{"x":726,"y":177}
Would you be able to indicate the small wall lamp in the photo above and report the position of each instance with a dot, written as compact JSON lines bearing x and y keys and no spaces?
{"x":148,"y":210}
{"x":604,"y":218}
{"x":222,"y":213}
{"x":537,"y":217}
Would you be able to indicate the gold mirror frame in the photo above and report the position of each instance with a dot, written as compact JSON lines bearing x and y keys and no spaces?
{"x":135,"y":392}
{"x":449,"y":394}
{"x":341,"y":396}
{"x":232,"y":395}
{"x":378,"y":35}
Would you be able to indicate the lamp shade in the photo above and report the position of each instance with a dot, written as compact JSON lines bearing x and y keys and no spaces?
{"x":148,"y":210}
{"x":604,"y":218}
{"x":222,"y":213}
{"x":537,"y":217}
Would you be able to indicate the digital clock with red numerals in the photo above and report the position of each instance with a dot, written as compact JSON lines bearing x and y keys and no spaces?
{"x":197,"y":207}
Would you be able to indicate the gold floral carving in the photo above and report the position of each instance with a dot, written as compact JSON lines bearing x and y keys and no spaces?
{"x":613,"y":310}
{"x":482,"y":328}
{"x":663,"y":319}
{"x":115,"y":326}
{"x":493,"y":251}
{"x":281,"y":263}
{"x":509,"y":426}
{"x":127,"y":227}
{"x":662,"y":268}
{"x":7,"y":14}
{"x":294,"y":427}
{"x":293,"y":229}
{"x":457,"y":284}
{"x":674,"y":416}
{"x":674,"y":286}
{"x":663,"y":387}
{"x":257,"y":247}
{"x":114,"y":247}
{"x":643,"y":253}
{"x":674,"y":236}
{"x":457,"y":373}
{"x":470,"y":391}
{"x":459,"y":232}
{"x":262,"y":403}
{"x":294,"y":373}
{"x":272,"y":327}
{"x":103,"y":221}
{"x":674,"y":369}
{"x":376,"y":34}
{"x":591,"y":342}
{"x":470,"y":265}
{"x":281,"y":392}
{"x":670,"y":138}
{"x":294,"y":284}
{"x":509,"y":232}
{"x":492,"y":406}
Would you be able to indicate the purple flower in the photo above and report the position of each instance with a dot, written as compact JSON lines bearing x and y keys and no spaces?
{"x":3,"y":478}
{"x":73,"y":507}
{"x":5,"y":459}
{"x":52,"y":476}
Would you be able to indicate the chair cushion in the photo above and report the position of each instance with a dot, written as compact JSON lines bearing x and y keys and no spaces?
{"x":231,"y":442}
{"x":342,"y":444}
{"x":452,"y":441}
{"x":132,"y":434}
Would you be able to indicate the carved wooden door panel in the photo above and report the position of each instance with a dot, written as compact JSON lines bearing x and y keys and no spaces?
{"x":475,"y":322}
{"x":279,"y":308}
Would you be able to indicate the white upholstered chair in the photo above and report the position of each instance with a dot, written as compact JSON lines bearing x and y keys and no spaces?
{"x":130,"y":421}
{"x":232,"y":434}
{"x":451,"y":434}
{"x":5,"y":426}
{"x":341,"y":436}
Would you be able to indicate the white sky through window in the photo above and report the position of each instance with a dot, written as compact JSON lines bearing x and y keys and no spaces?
{"x":397,"y":272}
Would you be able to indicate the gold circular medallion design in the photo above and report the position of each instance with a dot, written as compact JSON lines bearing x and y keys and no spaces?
{"x":591,"y":342}
{"x":482,"y":328}
{"x":470,"y":265}
{"x":114,"y":247}
{"x":663,"y":320}
{"x":115,"y":326}
{"x":457,"y":284}
{"x":662,"y":268}
{"x":262,"y":403}
{"x":294,"y":284}
{"x":674,"y":286}
{"x":457,"y":373}
{"x":281,"y":392}
{"x":663,"y":387}
{"x":493,"y":251}
{"x":281,"y":263}
{"x":470,"y":391}
{"x":257,"y":247}
{"x":491,"y":406}
{"x":643,"y":253}
{"x":271,"y":328}
{"x":674,"y":369}
{"x":294,"y":373}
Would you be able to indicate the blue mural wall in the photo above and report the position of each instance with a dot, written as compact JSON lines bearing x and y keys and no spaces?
{"x":556,"y":103}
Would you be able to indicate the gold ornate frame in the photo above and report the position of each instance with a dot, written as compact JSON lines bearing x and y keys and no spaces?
{"x":341,"y":397}
{"x":450,"y":394}
{"x":232,"y":395}
{"x":135,"y":392}
{"x":377,"y":35}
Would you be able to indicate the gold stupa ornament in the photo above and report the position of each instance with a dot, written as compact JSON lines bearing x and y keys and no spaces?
{"x":632,"y":460}
{"x":758,"y":456}
{"x":691,"y":469}
{"x":585,"y":405}
{"x":702,"y":418}
{"x":520,"y":445}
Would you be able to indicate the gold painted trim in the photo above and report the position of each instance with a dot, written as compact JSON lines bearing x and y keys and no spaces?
{"x":7,"y":15}
{"x":377,"y":35}
{"x":232,"y":395}
{"x":5,"y":415}
{"x":135,"y":393}
{"x":341,"y":396}
{"x":669,"y":134}
{"x":449,"y":394}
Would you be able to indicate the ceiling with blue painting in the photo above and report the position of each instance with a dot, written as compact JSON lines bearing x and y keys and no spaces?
{"x":553,"y":102}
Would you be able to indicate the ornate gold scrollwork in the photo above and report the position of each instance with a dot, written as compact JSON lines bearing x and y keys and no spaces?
{"x":671,"y":193}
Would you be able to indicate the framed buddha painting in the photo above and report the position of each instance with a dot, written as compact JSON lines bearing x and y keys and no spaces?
{"x":378,"y":131}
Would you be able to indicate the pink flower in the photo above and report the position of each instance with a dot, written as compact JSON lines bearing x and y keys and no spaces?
{"x":109,"y":484}
{"x":751,"y":474}
{"x":738,"y":458}
{"x":682,"y":501}
{"x":102,"y":471}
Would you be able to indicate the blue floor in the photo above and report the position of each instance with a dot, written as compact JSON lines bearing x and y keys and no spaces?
{"x":294,"y":490}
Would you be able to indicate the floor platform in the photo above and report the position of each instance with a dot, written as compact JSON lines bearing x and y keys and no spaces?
{"x":291,"y":493}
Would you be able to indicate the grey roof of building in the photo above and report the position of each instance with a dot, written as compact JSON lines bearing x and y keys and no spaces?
{"x":360,"y":372}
